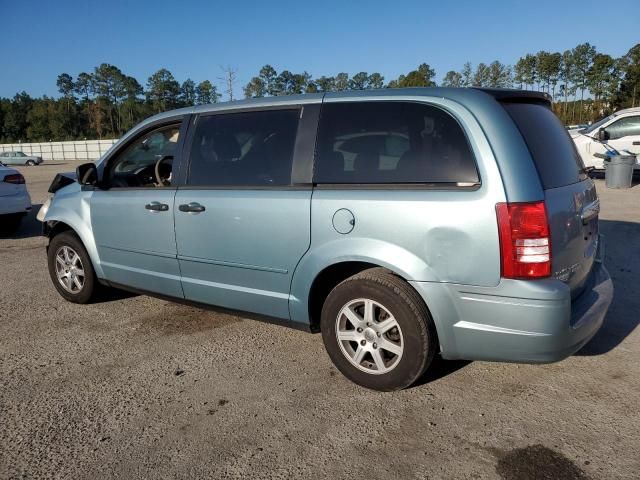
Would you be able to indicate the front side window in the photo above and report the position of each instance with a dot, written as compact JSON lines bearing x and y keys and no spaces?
{"x":244,"y":149}
{"x":391,"y":142}
{"x":625,"y":127}
{"x":147,"y":161}
{"x":596,"y":125}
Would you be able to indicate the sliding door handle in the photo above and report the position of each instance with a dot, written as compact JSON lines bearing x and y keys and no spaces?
{"x":192,"y":207}
{"x":157,"y":207}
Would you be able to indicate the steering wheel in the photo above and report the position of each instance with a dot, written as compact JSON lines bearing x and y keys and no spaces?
{"x":162,"y":182}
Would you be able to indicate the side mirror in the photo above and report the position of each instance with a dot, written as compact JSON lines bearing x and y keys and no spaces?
{"x":603,"y":135}
{"x":87,"y":174}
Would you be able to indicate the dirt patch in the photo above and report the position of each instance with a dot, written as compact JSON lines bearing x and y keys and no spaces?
{"x":175,"y":319}
{"x":537,"y":462}
{"x":514,"y":389}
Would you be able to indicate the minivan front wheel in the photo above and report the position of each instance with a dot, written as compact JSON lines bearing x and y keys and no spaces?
{"x":70,"y":268}
{"x":378,"y":331}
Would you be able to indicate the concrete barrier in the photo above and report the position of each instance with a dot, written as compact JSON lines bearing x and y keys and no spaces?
{"x":77,"y":150}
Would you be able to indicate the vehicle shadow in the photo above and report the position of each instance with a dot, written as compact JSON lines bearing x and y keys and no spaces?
{"x":440,"y":368}
{"x":29,"y":227}
{"x":622,"y":259}
{"x":108,"y":294}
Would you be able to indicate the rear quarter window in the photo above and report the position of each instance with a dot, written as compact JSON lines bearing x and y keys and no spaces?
{"x":553,"y":152}
{"x":391,"y":143}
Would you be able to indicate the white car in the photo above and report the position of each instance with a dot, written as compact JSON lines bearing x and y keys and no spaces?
{"x":621,"y":131}
{"x":15,"y":201}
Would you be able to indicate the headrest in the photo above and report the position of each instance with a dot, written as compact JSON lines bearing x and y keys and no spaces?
{"x":366,"y":161}
{"x":226,"y":146}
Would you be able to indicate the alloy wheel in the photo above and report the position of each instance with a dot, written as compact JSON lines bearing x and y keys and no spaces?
{"x":69,"y":269}
{"x":369,"y":336}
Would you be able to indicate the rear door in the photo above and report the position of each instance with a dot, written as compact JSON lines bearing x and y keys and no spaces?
{"x":243,"y":217}
{"x":10,"y":159}
{"x":570,"y":196}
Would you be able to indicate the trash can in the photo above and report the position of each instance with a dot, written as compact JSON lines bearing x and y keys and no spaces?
{"x":619,"y":171}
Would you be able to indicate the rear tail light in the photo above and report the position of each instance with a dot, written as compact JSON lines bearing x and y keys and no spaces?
{"x":15,"y":178}
{"x":525,"y":242}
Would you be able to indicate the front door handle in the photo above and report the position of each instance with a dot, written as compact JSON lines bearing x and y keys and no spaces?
{"x":636,"y":143}
{"x":157,"y":207}
{"x":192,"y":207}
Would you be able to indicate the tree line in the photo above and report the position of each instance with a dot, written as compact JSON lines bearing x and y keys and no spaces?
{"x":609,"y":83}
{"x":102,"y":104}
{"x":585,"y":85}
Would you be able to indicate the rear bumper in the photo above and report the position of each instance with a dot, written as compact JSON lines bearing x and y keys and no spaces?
{"x":517,"y":321}
{"x":18,"y":203}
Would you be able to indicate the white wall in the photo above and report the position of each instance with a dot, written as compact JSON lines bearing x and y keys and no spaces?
{"x":75,"y":150}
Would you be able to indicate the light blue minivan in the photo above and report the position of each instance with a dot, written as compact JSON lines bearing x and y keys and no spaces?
{"x":400,"y":223}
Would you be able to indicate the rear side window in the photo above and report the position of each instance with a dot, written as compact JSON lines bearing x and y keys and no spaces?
{"x":249,"y":148}
{"x":554,"y":153}
{"x":391,"y":142}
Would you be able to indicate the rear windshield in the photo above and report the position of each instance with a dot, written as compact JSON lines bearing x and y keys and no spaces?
{"x":554,"y":153}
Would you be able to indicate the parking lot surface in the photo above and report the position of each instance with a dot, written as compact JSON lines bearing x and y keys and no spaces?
{"x":137,"y":387}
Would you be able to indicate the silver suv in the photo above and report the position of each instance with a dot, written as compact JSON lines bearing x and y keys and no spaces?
{"x":400,"y":223}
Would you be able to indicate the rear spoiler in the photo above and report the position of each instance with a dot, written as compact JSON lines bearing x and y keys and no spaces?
{"x":518,"y":96}
{"x":61,"y":180}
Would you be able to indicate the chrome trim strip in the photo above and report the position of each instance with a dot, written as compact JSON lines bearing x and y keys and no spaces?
{"x":494,"y":329}
{"x":589,"y":212}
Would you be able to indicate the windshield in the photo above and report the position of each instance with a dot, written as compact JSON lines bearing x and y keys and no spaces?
{"x":597,"y":124}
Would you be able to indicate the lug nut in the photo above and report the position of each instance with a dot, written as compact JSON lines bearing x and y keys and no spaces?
{"x":378,"y":333}
{"x":375,"y":345}
{"x":359,"y":329}
{"x":363,"y":342}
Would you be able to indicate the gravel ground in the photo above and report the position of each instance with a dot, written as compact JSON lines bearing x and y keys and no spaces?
{"x":138,"y":387}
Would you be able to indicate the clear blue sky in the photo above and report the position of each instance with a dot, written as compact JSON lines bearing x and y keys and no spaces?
{"x":40,"y":39}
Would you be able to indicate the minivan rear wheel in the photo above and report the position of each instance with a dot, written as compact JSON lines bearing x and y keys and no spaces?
{"x":378,"y":331}
{"x":70,"y":268}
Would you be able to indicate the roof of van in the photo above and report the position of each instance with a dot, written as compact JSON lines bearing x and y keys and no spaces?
{"x":456,"y":94}
{"x":628,"y":110}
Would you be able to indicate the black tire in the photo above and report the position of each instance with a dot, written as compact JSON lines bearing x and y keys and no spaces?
{"x":30,"y":163}
{"x":418,"y":333}
{"x":10,"y":223}
{"x":90,"y":284}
